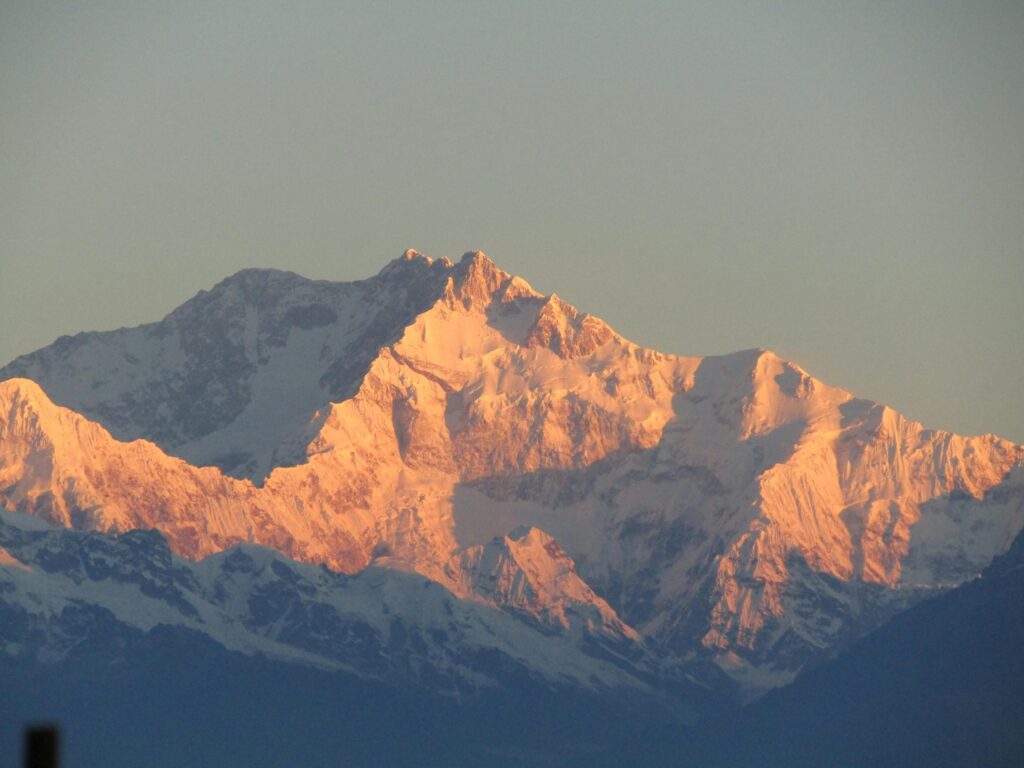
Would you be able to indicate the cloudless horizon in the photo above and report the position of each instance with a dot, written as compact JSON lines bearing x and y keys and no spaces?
{"x":842,"y":183}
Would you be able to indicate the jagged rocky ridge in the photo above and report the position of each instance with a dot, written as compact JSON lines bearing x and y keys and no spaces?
{"x":397,"y":628}
{"x":727,"y":507}
{"x":249,"y":658}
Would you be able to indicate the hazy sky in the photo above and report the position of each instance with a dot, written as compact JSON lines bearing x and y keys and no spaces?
{"x":840,"y":182}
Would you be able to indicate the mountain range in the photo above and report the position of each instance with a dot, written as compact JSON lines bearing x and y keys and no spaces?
{"x":440,"y":480}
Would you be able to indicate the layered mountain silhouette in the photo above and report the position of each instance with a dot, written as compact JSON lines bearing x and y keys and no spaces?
{"x":682,"y":528}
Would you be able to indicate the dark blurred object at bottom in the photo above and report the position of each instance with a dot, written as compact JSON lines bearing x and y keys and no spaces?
{"x":41,"y":746}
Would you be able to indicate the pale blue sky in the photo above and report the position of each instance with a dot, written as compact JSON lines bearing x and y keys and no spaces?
{"x":840,"y":182}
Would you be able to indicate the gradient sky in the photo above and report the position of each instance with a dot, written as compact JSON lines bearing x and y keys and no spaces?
{"x":840,"y":182}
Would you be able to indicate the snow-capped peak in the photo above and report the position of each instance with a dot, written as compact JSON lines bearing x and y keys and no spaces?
{"x":732,"y":506}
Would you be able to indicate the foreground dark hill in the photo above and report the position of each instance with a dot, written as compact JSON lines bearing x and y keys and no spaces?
{"x":171,"y":698}
{"x":940,"y":685}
